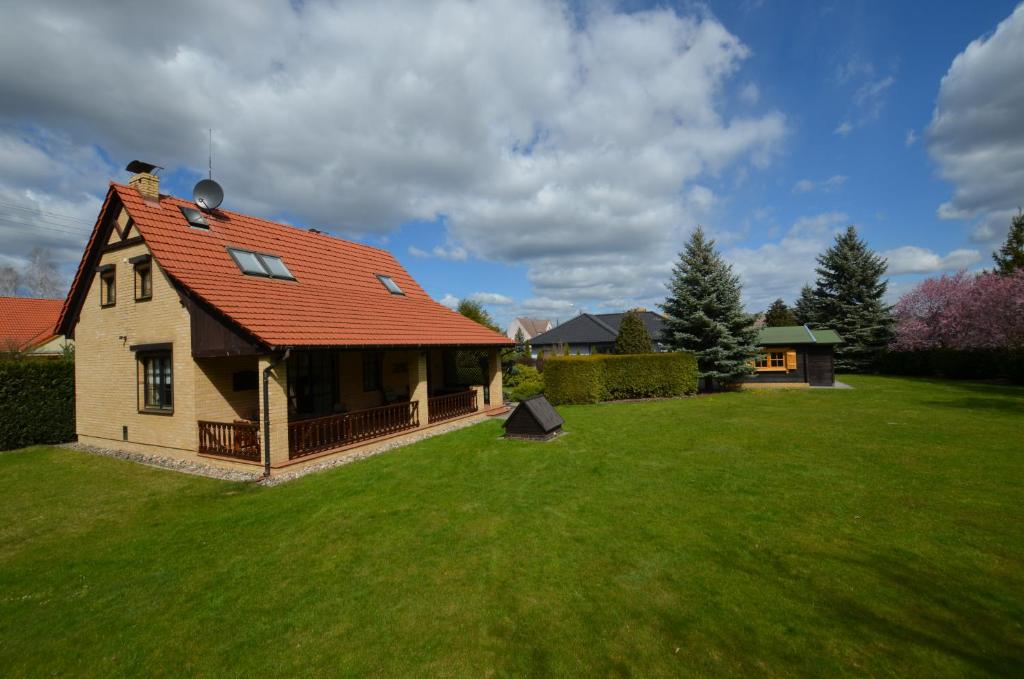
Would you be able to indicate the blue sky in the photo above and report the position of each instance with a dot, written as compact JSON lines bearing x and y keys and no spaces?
{"x":545,"y":158}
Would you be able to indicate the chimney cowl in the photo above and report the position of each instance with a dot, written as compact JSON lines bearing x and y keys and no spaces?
{"x":144,"y":178}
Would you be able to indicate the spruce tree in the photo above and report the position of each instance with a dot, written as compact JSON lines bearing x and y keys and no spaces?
{"x":778,"y":315}
{"x":805,"y":309}
{"x":848,"y":299}
{"x":633,"y":337}
{"x":705,"y":316}
{"x":1010,"y":256}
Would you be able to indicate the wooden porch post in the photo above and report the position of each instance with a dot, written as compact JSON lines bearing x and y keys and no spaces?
{"x":278,"y":398}
{"x":418,"y":383}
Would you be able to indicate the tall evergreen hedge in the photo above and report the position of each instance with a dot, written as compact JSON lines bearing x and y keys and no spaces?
{"x":606,"y":377}
{"x":966,"y":364}
{"x":37,"y":403}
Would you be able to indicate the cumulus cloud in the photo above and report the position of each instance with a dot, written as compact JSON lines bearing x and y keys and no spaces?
{"x":911,"y":138}
{"x":913,"y":259}
{"x":826,"y":185}
{"x":491,"y":298}
{"x":450,"y":300}
{"x":456,"y":253}
{"x":570,"y":142}
{"x":750,"y":94}
{"x":976,"y":135}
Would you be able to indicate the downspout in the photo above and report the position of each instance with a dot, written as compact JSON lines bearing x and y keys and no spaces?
{"x":266,"y":411}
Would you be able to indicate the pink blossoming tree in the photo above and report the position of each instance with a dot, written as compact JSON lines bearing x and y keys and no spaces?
{"x":963,"y":311}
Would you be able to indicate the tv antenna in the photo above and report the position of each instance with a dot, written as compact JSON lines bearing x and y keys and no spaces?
{"x":208,"y":194}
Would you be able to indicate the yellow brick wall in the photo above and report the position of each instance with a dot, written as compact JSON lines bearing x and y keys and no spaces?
{"x":278,"y":402}
{"x":106,"y":376}
{"x":216,"y":398}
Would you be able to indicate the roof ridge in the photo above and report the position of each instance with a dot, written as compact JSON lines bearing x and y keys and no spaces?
{"x":34,"y":299}
{"x":813,"y":338}
{"x":601,"y":323}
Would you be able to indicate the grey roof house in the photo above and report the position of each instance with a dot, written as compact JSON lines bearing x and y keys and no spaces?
{"x":596,"y":333}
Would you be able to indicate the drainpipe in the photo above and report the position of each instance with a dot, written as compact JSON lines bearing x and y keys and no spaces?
{"x":266,"y":411}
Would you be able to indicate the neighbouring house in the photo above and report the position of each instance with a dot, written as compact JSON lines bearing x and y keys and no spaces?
{"x":28,"y":327}
{"x":595,"y":334}
{"x":217,"y":335}
{"x":794,"y":355}
{"x":530,"y":327}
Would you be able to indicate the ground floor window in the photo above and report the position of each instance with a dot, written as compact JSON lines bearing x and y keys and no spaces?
{"x":373,"y":370}
{"x":157,"y":381}
{"x":312,"y":383}
{"x":771,"y":360}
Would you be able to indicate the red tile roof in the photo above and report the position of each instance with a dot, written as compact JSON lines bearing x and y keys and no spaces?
{"x":335,"y":299}
{"x":26,"y":322}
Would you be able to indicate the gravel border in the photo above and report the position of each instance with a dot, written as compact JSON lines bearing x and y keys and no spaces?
{"x":200,"y":468}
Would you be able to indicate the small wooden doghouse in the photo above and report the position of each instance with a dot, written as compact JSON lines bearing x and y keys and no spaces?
{"x":535,"y":419}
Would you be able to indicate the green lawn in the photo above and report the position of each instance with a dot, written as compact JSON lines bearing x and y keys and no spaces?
{"x":878,"y":531}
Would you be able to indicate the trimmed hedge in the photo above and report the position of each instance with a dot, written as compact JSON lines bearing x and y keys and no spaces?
{"x":37,"y":402}
{"x":608,"y":377}
{"x":964,"y":364}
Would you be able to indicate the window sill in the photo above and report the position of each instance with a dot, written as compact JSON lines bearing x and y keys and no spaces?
{"x":107,"y":306}
{"x":770,"y":370}
{"x":143,"y":299}
{"x":155,"y":411}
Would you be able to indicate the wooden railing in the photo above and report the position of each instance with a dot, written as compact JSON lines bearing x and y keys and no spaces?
{"x":230,"y":439}
{"x":306,"y":437}
{"x":440,"y":408}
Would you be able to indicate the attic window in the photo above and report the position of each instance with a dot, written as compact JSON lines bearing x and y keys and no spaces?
{"x":195,"y":217}
{"x":260,"y":264}
{"x":390,"y":284}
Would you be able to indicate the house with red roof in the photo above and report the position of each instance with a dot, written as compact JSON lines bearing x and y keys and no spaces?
{"x":244,"y":342}
{"x":28,"y":327}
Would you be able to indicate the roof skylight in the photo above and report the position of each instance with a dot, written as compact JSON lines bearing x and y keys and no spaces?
{"x":195,"y":217}
{"x":390,"y":284}
{"x":260,"y":264}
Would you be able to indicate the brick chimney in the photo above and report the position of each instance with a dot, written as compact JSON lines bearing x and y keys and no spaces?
{"x":144,"y":179}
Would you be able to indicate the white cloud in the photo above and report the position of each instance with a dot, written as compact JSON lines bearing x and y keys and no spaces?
{"x":556,"y":139}
{"x":750,"y":94}
{"x":868,"y":99}
{"x":417,"y":252}
{"x":913,"y":259}
{"x":826,"y":185}
{"x":976,"y":135}
{"x":911,"y":138}
{"x":449,"y":300}
{"x":491,"y":298}
{"x":817,"y":225}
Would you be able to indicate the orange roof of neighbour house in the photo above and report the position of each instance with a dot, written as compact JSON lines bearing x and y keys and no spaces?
{"x":336,"y":298}
{"x":26,"y":322}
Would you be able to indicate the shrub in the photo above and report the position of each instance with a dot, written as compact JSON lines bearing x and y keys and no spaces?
{"x":977,"y":364}
{"x":524,"y":382}
{"x":590,"y":379}
{"x":37,"y":402}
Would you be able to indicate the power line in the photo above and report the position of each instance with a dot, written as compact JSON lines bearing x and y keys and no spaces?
{"x":44,"y":213}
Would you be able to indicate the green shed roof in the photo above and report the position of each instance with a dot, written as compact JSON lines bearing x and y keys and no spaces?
{"x":797,"y":334}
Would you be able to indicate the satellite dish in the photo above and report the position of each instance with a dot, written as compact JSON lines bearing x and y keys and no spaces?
{"x":208,"y":194}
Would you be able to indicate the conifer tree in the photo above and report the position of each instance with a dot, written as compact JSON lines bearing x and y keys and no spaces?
{"x":705,"y":316}
{"x":848,"y":299}
{"x":633,"y":337}
{"x":779,"y":314}
{"x":805,"y":309}
{"x":1010,"y":256}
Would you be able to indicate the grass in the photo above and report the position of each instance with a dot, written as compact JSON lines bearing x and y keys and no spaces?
{"x":876,"y":531}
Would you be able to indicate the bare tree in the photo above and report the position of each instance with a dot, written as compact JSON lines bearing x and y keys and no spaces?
{"x":10,"y":280}
{"x":41,"y":276}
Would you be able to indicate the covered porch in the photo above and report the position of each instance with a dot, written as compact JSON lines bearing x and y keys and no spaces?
{"x":320,"y":401}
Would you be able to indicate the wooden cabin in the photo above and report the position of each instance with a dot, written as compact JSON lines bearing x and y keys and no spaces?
{"x":794,"y":356}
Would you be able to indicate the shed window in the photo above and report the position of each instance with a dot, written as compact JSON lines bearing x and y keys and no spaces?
{"x":776,"y":360}
{"x":260,"y":264}
{"x":390,"y":284}
{"x":157,"y":381}
{"x":108,"y":287}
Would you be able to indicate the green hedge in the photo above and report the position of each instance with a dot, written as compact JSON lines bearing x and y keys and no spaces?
{"x":37,"y":402}
{"x":976,"y":364}
{"x":606,"y":377}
